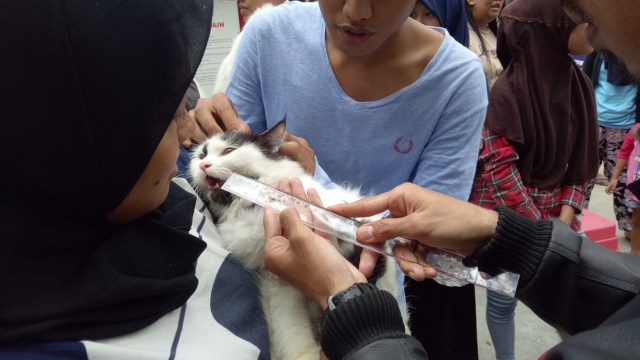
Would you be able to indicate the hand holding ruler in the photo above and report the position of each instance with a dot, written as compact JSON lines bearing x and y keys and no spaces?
{"x":451,"y":271}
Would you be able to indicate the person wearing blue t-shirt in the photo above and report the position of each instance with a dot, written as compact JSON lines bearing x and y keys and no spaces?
{"x":616,"y":94}
{"x":381,"y":100}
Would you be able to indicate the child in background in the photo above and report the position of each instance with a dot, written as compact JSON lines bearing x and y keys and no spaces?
{"x":537,"y":106}
{"x":482,"y":17}
{"x":629,"y":157}
{"x":449,"y":14}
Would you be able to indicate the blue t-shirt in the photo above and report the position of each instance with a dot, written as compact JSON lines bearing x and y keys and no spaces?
{"x":616,"y":104}
{"x":427,"y":132}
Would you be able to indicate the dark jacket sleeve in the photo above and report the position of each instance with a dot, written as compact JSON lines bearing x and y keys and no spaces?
{"x":368,"y":327}
{"x":566,"y":279}
{"x":591,"y":66}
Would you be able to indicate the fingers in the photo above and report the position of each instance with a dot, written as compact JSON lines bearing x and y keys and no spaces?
{"x":276,"y":253}
{"x":610,"y":188}
{"x":385,"y":229}
{"x":271,"y":221}
{"x":276,"y":246}
{"x":364,"y":207}
{"x":226,"y":114}
{"x":297,"y":189}
{"x":216,"y":114}
{"x":414,"y":264}
{"x":314,"y":197}
{"x":368,"y":261}
{"x":294,"y":229}
{"x":299,"y":150}
{"x":203,"y":114}
{"x":199,"y":135}
{"x":186,"y":128}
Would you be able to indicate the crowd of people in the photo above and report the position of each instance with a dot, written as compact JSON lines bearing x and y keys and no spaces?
{"x":472,"y":126}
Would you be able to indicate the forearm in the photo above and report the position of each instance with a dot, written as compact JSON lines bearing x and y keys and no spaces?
{"x":573,"y":196}
{"x":503,"y":178}
{"x":571,"y":200}
{"x":567,"y":280}
{"x":368,"y":327}
{"x":621,"y":164}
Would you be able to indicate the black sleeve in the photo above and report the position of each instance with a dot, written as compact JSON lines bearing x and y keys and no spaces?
{"x":368,"y":327}
{"x":588,"y":65}
{"x":566,"y":279}
{"x":617,"y":338}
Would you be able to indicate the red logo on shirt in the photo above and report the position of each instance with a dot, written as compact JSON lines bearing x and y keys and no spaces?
{"x":406,"y":150}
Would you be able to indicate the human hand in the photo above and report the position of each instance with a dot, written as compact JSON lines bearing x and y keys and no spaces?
{"x":302,"y":258}
{"x":567,"y":213}
{"x":611,"y":187}
{"x":433,"y":219}
{"x":213,"y":115}
{"x":299,"y":150}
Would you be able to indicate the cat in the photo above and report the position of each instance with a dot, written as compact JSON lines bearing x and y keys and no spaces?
{"x":293,"y":320}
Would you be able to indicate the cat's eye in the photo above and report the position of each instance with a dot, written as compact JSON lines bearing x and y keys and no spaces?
{"x":227,"y":151}
{"x":201,"y":156}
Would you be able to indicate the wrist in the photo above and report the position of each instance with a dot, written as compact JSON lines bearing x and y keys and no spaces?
{"x":337,"y":299}
{"x":372,"y":315}
{"x":333,"y":289}
{"x":518,"y":246}
{"x":484,"y":231}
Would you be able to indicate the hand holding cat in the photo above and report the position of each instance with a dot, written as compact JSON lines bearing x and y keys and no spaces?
{"x":301,"y":257}
{"x":431,"y":218}
{"x":299,"y":150}
{"x":213,"y":115}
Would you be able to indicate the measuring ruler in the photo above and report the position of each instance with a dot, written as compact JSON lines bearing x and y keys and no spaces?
{"x":451,"y":271}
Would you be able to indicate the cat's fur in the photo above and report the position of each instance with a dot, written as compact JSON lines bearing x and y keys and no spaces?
{"x":293,"y":320}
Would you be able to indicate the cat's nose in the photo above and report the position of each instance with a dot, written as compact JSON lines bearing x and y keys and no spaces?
{"x":204,"y":165}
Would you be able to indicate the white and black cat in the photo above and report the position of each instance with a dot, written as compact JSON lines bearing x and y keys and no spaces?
{"x":294,"y":320}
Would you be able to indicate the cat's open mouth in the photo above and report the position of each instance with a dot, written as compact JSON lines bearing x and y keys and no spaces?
{"x":214,"y":183}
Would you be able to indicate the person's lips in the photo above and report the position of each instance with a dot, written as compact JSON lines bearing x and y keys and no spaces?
{"x":355,"y":35}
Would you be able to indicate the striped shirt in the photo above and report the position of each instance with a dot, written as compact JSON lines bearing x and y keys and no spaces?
{"x":498,"y":181}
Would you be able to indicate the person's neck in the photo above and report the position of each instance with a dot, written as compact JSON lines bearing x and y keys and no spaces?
{"x":483,"y":24}
{"x":393,"y":65}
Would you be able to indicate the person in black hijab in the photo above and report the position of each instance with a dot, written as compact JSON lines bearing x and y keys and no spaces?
{"x":541,"y":126}
{"x":94,"y":239}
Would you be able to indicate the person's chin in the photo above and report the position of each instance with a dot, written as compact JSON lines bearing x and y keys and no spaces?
{"x":591,"y":34}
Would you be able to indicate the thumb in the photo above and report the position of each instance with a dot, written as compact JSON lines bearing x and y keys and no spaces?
{"x":276,"y":252}
{"x":384,"y":229}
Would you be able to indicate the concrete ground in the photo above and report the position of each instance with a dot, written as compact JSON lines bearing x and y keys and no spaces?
{"x":533,"y":336}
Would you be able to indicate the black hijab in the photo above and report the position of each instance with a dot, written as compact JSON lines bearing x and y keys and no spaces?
{"x":543,"y":102}
{"x":88,"y":90}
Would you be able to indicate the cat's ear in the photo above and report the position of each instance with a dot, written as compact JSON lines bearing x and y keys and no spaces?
{"x":273,"y":138}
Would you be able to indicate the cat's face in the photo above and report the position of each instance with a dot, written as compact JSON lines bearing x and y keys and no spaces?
{"x":232,"y":152}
